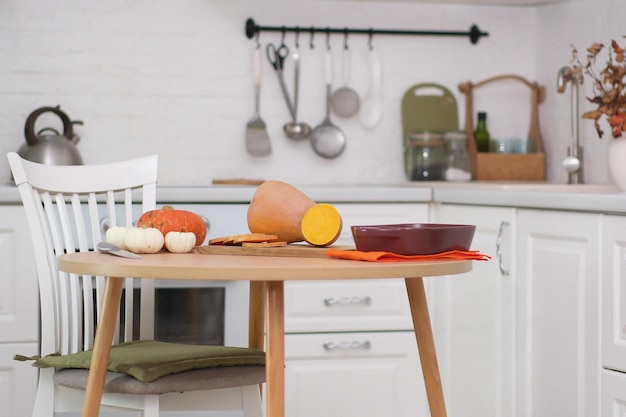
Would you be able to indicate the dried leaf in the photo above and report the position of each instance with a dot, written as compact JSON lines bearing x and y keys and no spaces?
{"x":609,"y":92}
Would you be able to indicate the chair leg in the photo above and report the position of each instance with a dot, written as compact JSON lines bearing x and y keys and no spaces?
{"x":44,"y":399}
{"x":151,"y":406}
{"x":251,"y":399}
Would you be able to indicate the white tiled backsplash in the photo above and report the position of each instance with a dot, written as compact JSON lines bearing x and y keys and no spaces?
{"x":174,"y":78}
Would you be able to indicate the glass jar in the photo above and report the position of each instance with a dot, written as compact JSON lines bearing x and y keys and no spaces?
{"x":458,"y":164}
{"x":426,"y":156}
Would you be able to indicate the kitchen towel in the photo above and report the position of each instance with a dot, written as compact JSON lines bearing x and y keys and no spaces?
{"x":376,"y":256}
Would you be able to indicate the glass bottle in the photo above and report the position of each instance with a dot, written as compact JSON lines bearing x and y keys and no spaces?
{"x":482,"y":134}
{"x":426,"y":156}
{"x":458,"y":166}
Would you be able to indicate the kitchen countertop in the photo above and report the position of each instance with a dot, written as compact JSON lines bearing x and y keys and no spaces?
{"x":604,"y":198}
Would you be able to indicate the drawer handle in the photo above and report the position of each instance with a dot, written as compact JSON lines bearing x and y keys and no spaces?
{"x":503,"y":225}
{"x":354,"y":345}
{"x":331,"y":301}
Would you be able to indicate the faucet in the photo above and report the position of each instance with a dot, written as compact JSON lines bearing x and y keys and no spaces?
{"x":573,"y":163}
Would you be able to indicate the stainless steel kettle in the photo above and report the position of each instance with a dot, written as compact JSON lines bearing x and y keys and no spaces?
{"x":51,"y":149}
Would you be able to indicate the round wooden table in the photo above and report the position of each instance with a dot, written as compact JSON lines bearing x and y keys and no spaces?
{"x":266,"y":275}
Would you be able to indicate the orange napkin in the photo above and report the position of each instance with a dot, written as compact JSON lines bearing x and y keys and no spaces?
{"x":356,"y":255}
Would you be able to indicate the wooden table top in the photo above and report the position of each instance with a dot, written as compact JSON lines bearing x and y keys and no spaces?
{"x":193,"y":266}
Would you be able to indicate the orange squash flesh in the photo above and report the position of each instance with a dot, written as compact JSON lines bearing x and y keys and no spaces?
{"x":277,"y":208}
{"x":321,"y":225}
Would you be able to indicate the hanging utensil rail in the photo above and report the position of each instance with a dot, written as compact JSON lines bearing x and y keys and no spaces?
{"x":253,"y":29}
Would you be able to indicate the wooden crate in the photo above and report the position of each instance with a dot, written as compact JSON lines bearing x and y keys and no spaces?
{"x":488,"y":166}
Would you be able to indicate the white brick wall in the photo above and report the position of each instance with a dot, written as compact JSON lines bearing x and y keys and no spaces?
{"x":174,"y":77}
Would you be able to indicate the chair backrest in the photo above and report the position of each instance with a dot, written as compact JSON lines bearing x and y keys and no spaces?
{"x":68,"y":209}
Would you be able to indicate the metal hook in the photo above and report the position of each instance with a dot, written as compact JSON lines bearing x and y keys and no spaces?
{"x":369,"y":40}
{"x":311,"y":45}
{"x":297,"y":42}
{"x":282,"y":39}
{"x":258,"y":35}
{"x":345,"y":39}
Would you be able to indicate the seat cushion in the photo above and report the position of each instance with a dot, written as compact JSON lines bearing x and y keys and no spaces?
{"x":194,"y":380}
{"x":148,"y":360}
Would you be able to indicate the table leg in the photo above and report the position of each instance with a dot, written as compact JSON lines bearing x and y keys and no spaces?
{"x":426,"y":346}
{"x":275,"y":364}
{"x":102,"y":346}
{"x":256,"y":319}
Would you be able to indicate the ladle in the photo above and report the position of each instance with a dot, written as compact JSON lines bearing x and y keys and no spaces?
{"x":327,"y":139}
{"x":345,"y":100}
{"x":295,"y":129}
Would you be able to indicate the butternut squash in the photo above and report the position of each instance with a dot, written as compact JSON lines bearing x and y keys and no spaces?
{"x":278,"y":208}
{"x":321,"y":225}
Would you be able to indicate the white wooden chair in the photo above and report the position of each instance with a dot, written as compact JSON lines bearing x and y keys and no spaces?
{"x":65,"y":206}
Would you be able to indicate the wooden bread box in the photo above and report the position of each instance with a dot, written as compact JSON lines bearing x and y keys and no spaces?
{"x":487,"y":166}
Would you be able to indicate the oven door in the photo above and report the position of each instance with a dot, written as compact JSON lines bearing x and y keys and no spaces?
{"x":203,"y":312}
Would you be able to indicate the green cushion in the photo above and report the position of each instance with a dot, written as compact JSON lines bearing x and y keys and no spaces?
{"x":148,"y":360}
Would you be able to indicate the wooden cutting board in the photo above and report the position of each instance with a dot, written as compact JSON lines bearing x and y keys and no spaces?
{"x":293,"y":249}
{"x":429,"y":107}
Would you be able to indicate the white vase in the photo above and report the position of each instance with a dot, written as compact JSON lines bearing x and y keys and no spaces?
{"x":617,"y":162}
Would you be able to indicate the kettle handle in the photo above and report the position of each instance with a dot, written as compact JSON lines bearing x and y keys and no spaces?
{"x":29,"y":129}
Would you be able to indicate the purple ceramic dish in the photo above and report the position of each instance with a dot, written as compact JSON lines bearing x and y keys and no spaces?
{"x":413,"y":238}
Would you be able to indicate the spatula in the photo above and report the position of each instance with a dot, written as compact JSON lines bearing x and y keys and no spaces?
{"x":257,"y":139}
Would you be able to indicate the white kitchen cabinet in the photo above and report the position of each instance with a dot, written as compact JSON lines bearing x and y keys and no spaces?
{"x":558,"y":362}
{"x":18,"y":279}
{"x":613,"y":305}
{"x":19,"y":323}
{"x":614,"y":292}
{"x":350,"y":349}
{"x":474,"y":317}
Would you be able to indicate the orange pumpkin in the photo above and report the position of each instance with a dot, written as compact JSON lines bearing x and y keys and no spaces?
{"x":168,"y":219}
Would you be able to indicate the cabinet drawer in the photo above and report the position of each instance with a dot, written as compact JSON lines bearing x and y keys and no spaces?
{"x":346,"y":305}
{"x":353,"y":375}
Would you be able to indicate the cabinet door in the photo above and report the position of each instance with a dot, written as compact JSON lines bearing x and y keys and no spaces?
{"x":19,"y":298}
{"x":558,"y":358}
{"x":614,"y":292}
{"x":18,"y":380}
{"x":223,"y":220}
{"x":474,"y":317}
{"x":353,"y":375}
